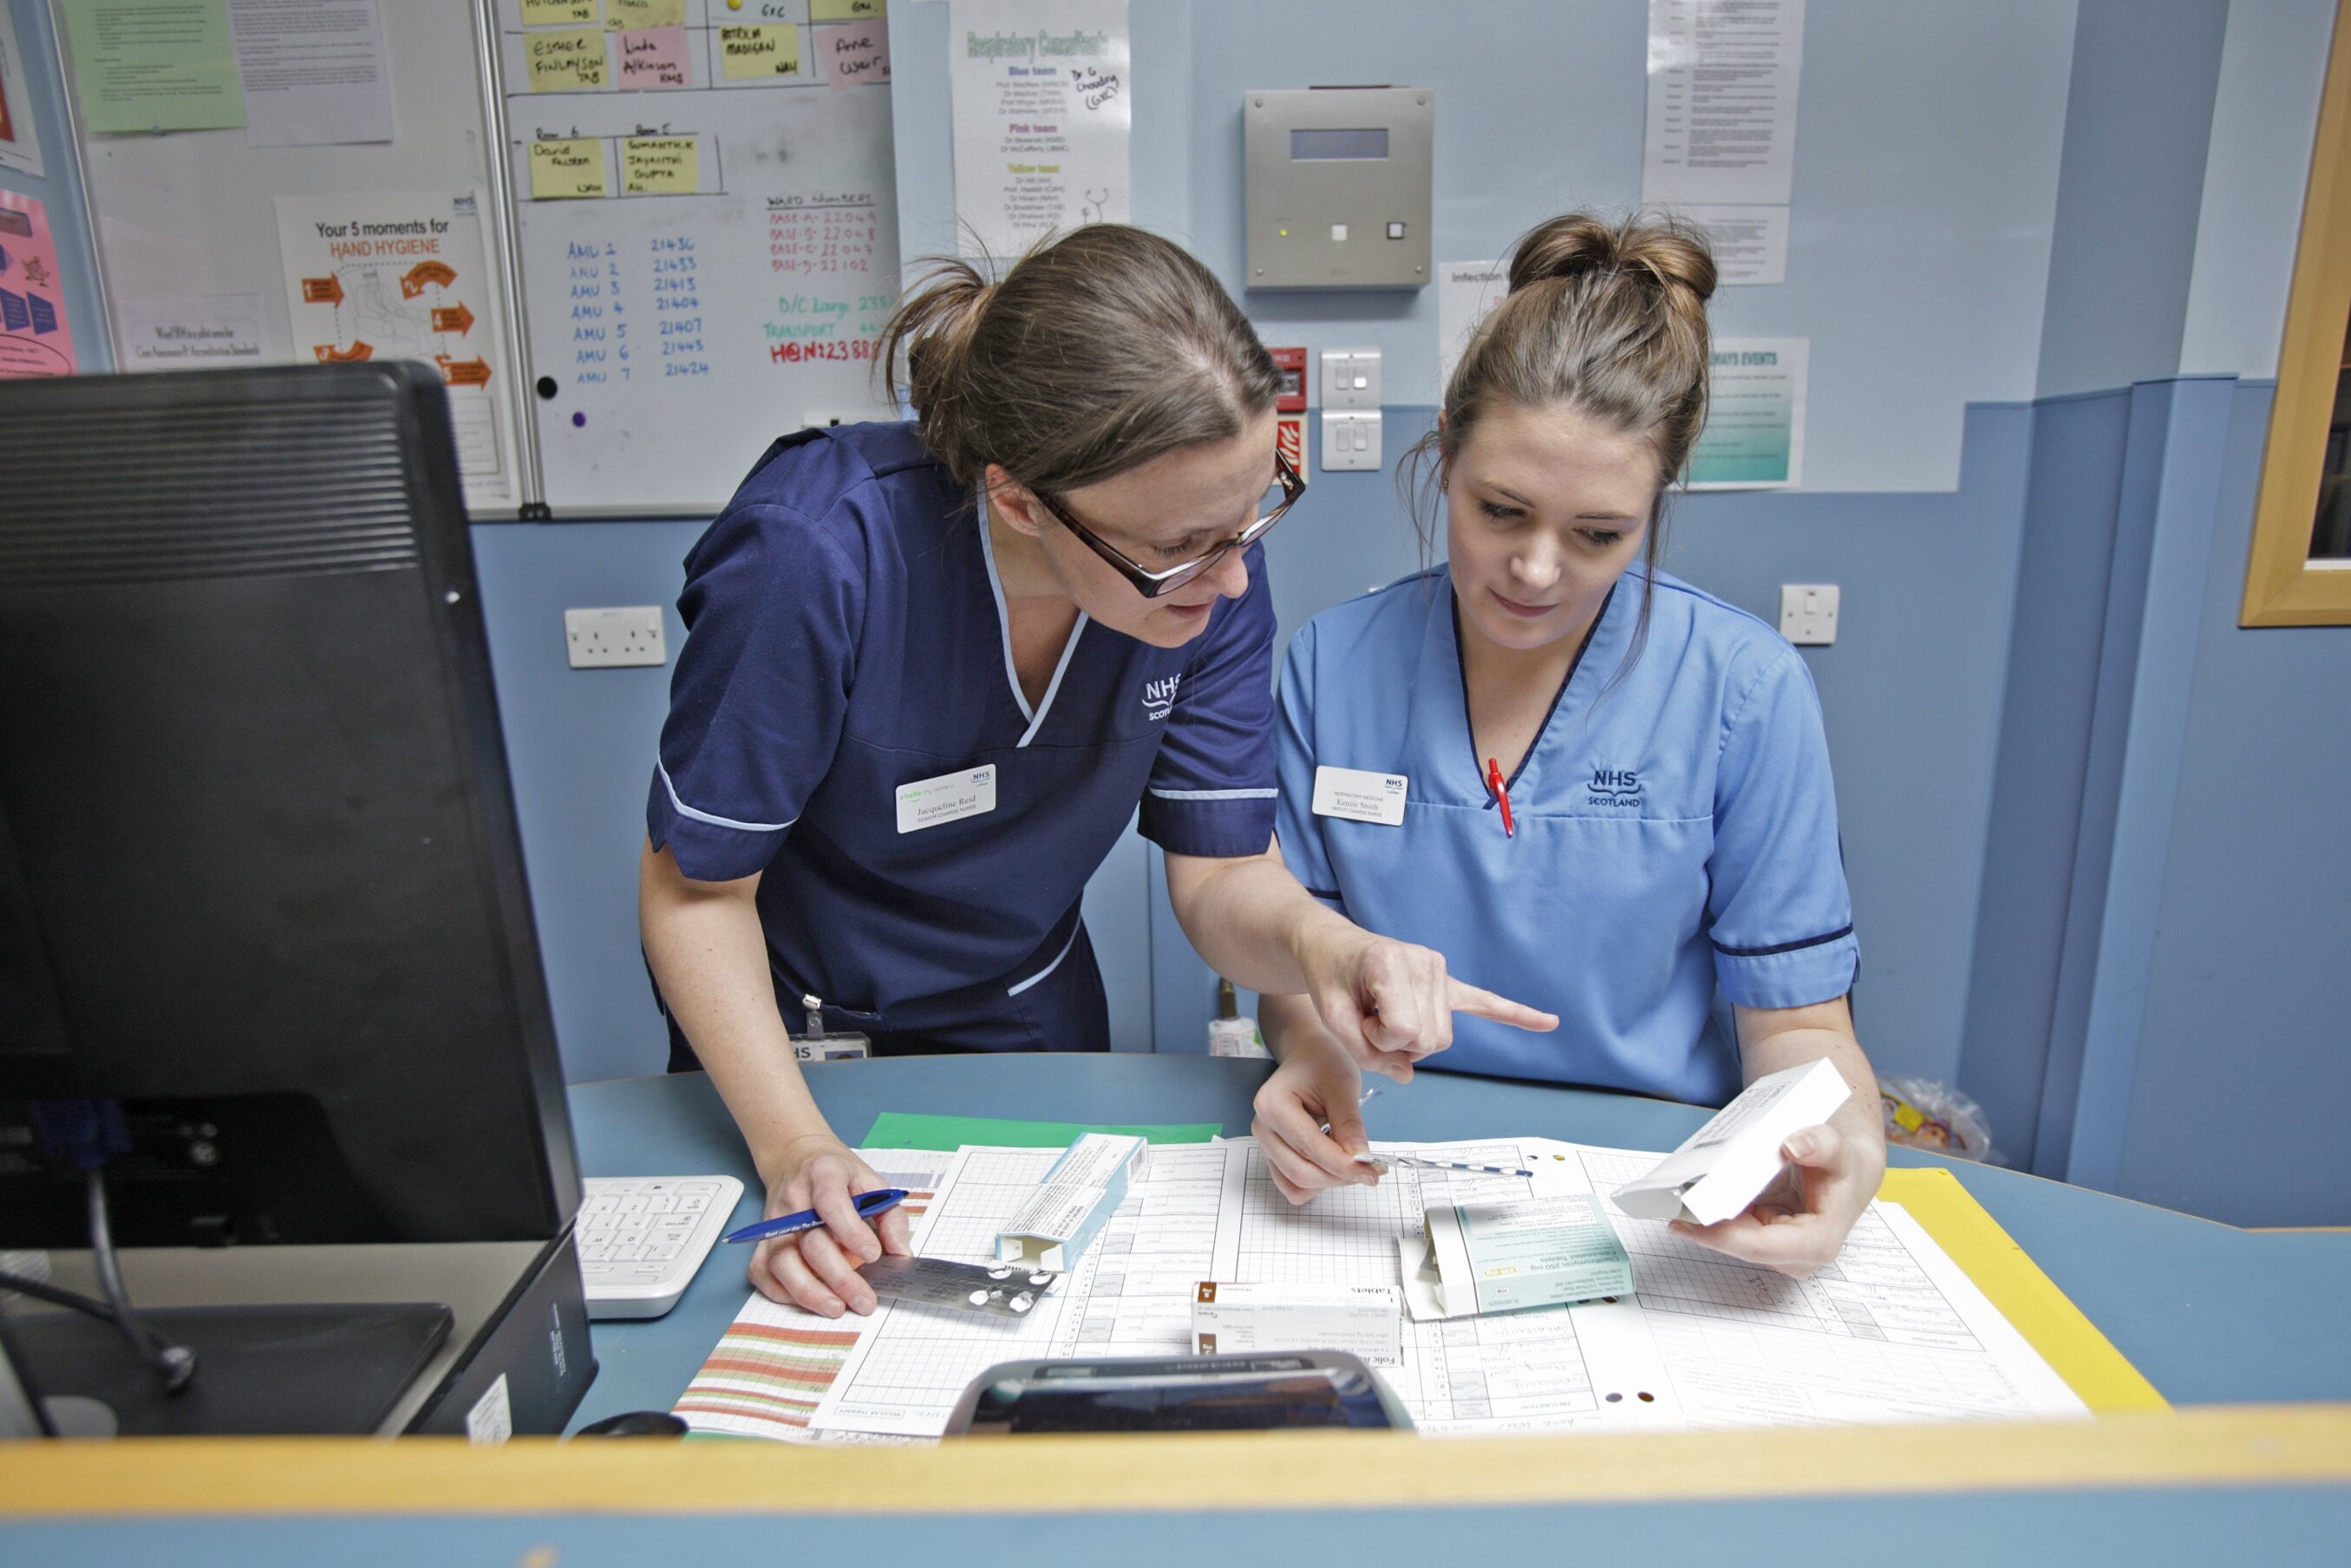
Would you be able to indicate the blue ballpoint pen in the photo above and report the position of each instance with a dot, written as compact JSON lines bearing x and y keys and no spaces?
{"x":869,"y":1205}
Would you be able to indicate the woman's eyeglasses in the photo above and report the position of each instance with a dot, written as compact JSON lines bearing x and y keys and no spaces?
{"x":1153,"y":584}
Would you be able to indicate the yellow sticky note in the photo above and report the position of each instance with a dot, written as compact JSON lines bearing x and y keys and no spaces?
{"x":846,"y":10}
{"x":560,"y":171}
{"x":624,"y":14}
{"x":557,"y":13}
{"x":660,"y":166}
{"x":568,"y":61}
{"x":759,"y":52}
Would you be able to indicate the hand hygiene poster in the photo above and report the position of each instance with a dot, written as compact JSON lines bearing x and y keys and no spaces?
{"x":1043,"y":112}
{"x":404,"y":277}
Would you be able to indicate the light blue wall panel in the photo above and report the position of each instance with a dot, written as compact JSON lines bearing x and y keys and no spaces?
{"x":2241,"y":1088}
{"x":2065,"y":559}
{"x":2137,"y":121}
{"x":1926,"y":161}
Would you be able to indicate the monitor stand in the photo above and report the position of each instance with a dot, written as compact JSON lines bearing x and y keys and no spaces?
{"x":285,"y":1371}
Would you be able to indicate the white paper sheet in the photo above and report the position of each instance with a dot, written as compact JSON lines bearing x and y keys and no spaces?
{"x":314,"y":72}
{"x":1465,"y":291}
{"x":1750,"y":244}
{"x":1891,"y":1332}
{"x":1044,"y":110}
{"x":1722,"y":100}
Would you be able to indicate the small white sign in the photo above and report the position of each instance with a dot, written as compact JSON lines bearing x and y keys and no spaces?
{"x":949,"y":798}
{"x":1360,"y":797}
{"x":491,"y":1420}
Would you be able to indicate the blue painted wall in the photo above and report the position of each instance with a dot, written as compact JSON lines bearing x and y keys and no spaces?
{"x":2040,"y":596}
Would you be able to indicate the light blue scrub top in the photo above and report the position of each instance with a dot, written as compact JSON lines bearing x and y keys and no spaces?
{"x":1676,"y":831}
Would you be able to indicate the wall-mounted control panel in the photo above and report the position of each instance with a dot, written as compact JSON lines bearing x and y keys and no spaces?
{"x":1338,"y":182}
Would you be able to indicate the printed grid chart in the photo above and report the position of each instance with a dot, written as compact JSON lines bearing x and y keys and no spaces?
{"x":1872,"y":1336}
{"x":775,"y":1361}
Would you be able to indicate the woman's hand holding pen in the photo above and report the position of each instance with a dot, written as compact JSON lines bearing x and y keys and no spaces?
{"x":818,"y":1268}
{"x":1391,"y":1003}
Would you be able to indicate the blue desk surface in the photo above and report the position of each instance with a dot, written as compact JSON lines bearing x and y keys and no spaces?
{"x":2210,"y":1313}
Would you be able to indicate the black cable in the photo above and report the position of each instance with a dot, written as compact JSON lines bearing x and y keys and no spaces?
{"x":55,"y":1295}
{"x":174,"y":1363}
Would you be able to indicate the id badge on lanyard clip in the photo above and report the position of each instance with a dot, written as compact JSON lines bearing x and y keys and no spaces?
{"x":816,"y":1045}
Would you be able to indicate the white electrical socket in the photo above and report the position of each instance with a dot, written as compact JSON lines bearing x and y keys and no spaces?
{"x":1350,"y":441}
{"x":607,"y":639}
{"x":1808,"y":612}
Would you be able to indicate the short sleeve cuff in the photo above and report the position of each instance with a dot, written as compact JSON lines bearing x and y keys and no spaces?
{"x":1796,"y":975}
{"x":708,"y":850}
{"x":1215,"y":824}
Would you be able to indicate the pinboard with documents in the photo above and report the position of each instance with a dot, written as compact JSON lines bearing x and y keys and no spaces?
{"x":639,"y":238}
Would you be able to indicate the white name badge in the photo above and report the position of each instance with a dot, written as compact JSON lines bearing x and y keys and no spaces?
{"x":1360,"y":797}
{"x":949,"y":798}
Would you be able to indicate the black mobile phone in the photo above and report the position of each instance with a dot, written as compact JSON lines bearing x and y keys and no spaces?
{"x":1177,"y":1394}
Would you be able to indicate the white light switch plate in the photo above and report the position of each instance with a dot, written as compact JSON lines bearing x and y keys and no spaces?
{"x":1350,"y":441}
{"x":1808,"y":612}
{"x":1351,"y":378}
{"x":605,"y":639}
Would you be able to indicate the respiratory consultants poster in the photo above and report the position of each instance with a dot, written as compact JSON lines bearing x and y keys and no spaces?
{"x":1043,"y":117}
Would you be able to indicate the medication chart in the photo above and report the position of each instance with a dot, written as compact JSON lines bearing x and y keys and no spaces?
{"x":1893,"y":1330}
{"x":706,"y":213}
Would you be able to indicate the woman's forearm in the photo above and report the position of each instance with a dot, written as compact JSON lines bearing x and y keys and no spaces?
{"x":709,"y":956}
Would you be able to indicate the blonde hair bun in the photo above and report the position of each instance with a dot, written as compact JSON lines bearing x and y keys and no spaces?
{"x":1664,"y":253}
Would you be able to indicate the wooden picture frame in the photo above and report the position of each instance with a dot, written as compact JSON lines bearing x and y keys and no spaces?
{"x":2284,"y":587}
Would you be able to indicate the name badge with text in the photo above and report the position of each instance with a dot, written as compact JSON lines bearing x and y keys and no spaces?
{"x":1359,"y":796}
{"x":949,"y":798}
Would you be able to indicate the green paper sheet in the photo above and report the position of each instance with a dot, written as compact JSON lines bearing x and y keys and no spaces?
{"x":154,"y":65}
{"x":901,"y":1130}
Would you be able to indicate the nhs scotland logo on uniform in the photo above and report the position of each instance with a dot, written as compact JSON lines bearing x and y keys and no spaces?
{"x":1615,"y":786}
{"x":1159,"y":695}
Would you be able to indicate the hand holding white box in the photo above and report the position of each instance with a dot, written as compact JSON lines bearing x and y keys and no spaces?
{"x":1728,"y":1163}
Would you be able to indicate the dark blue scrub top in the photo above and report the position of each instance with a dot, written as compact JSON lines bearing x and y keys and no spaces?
{"x":847,"y":637}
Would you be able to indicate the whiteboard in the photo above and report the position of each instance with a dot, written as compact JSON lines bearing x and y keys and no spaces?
{"x":707,"y":222}
{"x":187,"y":228}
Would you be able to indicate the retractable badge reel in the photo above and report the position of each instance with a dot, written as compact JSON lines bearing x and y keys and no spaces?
{"x":817,"y":1045}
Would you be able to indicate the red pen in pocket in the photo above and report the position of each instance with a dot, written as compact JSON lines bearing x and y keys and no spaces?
{"x":1494,"y":782}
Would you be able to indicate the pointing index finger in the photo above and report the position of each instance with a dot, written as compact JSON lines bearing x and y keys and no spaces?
{"x":1469,"y":998}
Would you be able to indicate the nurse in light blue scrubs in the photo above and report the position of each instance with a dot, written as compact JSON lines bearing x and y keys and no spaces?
{"x":1600,"y":790}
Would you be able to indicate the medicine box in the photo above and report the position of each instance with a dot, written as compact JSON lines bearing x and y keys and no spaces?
{"x":1478,"y":1258}
{"x":1727,"y":1163}
{"x":1230,"y":1318}
{"x":1077,"y":1197}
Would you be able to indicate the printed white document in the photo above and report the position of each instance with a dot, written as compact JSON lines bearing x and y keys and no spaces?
{"x":1892,"y":1331}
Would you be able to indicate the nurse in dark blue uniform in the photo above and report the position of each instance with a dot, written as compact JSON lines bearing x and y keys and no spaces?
{"x":935,"y":669}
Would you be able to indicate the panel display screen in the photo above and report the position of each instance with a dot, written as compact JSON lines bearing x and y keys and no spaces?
{"x":1320,"y":145}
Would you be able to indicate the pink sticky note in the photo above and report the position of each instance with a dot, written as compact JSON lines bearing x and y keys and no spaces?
{"x":857,"y":55}
{"x":35,"y":338}
{"x":651,"y":57}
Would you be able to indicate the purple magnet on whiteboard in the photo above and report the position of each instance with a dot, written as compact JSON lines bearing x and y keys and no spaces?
{"x":579,"y":421}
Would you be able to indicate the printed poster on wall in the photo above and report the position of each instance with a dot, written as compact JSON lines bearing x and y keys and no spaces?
{"x":404,"y":277}
{"x":20,"y":147}
{"x":1043,"y":114}
{"x":36,"y":340}
{"x":1754,"y":436}
{"x":1465,"y":291}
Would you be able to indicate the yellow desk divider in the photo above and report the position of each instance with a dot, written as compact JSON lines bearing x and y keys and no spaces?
{"x":2070,"y":1343}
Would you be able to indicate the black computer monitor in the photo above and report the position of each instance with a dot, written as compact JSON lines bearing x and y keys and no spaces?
{"x":260,"y":883}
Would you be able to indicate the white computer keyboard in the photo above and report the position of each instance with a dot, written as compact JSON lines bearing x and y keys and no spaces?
{"x":642,"y":1238}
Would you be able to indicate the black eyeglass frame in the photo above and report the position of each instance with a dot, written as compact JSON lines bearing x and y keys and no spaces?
{"x":1153,"y":584}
